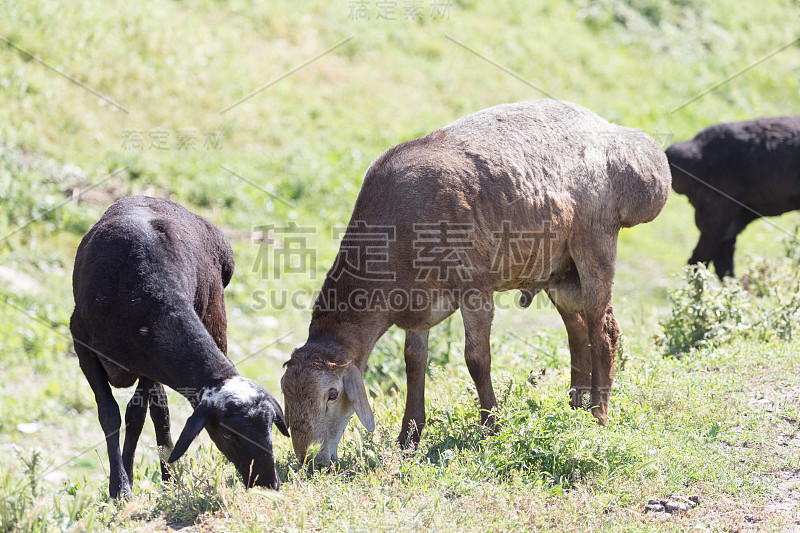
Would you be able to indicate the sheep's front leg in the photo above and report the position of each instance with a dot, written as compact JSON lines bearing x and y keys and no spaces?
{"x":135,"y":414}
{"x":159,"y":414}
{"x":723,"y":261}
{"x":580,"y":355}
{"x":110,"y":420}
{"x":478,"y":314}
{"x":416,"y":356}
{"x":714,"y":220}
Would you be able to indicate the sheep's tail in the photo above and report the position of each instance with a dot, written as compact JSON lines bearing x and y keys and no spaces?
{"x":640,"y":176}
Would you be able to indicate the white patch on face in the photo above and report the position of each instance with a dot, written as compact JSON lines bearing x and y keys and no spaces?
{"x":239,"y":389}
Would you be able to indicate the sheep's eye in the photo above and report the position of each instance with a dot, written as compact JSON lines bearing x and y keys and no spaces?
{"x":332,"y":394}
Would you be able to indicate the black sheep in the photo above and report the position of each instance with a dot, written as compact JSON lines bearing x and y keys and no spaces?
{"x":149,"y":305}
{"x":733,"y":174}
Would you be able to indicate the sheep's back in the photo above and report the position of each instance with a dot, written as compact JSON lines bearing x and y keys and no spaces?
{"x":145,"y":252}
{"x":543,"y":160}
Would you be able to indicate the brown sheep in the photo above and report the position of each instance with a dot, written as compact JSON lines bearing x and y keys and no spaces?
{"x":524,"y":196}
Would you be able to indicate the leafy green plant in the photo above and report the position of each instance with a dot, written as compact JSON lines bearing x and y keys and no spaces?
{"x":776,"y":288}
{"x":705,"y":311}
{"x":539,"y":438}
{"x":791,"y":246}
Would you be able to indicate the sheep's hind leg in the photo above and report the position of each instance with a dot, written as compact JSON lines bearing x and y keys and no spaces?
{"x":135,"y":415}
{"x":110,"y":420}
{"x":215,"y":320}
{"x":580,"y":356}
{"x":416,"y":356}
{"x":594,"y":257}
{"x":159,"y":414}
{"x":478,"y":314}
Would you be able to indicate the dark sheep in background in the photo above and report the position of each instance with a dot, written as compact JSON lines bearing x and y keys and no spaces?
{"x":149,"y":305}
{"x":733,"y":174}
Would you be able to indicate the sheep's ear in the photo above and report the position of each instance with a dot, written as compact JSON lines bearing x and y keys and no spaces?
{"x":194,"y":425}
{"x":279,"y":420}
{"x":354,"y":387}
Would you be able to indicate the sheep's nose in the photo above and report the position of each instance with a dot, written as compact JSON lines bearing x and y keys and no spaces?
{"x":324,"y":459}
{"x":300,"y":453}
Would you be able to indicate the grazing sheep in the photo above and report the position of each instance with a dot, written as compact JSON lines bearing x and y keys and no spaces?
{"x":149,"y":305}
{"x":733,"y":174}
{"x":524,"y":196}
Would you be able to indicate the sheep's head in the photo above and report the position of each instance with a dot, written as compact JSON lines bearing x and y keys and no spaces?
{"x":238,"y":417}
{"x":320,"y":397}
{"x":683,"y":158}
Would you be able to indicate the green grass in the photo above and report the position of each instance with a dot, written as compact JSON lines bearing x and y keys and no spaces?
{"x":721,"y":422}
{"x":677,"y":426}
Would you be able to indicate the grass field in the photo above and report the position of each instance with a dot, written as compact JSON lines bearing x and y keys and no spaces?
{"x":268,"y":113}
